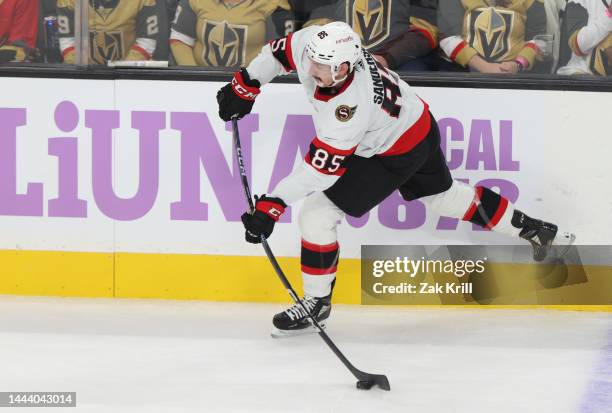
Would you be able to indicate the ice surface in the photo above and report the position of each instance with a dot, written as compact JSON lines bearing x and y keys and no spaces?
{"x":170,"y":356}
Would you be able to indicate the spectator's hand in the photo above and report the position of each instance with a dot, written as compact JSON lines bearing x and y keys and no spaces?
{"x":267,"y":211}
{"x":238,"y":96}
{"x":510,"y":66}
{"x":381,"y":60}
{"x":488,"y":67}
{"x":478,"y":64}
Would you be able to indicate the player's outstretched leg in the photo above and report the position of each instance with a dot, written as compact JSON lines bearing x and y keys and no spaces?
{"x":490,"y":210}
{"x":318,"y":220}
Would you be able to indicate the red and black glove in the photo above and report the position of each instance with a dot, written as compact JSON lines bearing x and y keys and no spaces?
{"x":238,"y":96}
{"x":261,"y":222}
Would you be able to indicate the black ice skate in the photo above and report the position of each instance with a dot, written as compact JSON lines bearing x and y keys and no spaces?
{"x":295,"y":321}
{"x":541,"y":235}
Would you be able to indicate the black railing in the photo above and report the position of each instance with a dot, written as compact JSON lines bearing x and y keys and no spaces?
{"x":429,"y":79}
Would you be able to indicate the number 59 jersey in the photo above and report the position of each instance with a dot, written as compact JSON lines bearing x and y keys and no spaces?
{"x":374,"y":112}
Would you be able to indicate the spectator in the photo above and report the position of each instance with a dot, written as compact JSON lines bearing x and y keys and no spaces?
{"x":18,"y":29}
{"x":303,"y":9}
{"x":399,"y":34}
{"x":227,"y":33}
{"x":589,"y":34}
{"x":118,"y":29}
{"x":171,"y":6}
{"x":408,"y":49}
{"x":491,"y":36}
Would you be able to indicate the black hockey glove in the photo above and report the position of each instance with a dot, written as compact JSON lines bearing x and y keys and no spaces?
{"x":238,"y":96}
{"x":261,"y":222}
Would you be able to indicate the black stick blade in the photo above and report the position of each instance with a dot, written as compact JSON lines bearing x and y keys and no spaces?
{"x":367,"y":381}
{"x":382,"y":382}
{"x":364,"y":385}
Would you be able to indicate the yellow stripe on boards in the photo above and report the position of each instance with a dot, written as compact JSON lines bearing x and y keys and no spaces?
{"x":181,"y":276}
{"x":220,"y":278}
{"x":57,"y":273}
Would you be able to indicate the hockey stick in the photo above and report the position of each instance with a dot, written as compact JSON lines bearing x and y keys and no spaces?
{"x":365,"y":380}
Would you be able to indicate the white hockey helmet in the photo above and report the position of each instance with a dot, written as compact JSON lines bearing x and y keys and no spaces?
{"x":334,"y":44}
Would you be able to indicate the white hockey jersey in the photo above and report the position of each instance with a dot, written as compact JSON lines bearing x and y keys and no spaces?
{"x":373,"y":113}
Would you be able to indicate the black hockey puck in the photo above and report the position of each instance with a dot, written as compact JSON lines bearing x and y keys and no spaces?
{"x":365,"y":384}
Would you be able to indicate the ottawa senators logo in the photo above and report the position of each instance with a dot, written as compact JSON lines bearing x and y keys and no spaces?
{"x":224,"y":44}
{"x":344,"y":113}
{"x":489,"y":32}
{"x":106,"y":46}
{"x":370,"y":19}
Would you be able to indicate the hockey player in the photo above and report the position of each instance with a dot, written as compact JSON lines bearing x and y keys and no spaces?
{"x":118,"y":29}
{"x":374,"y":136}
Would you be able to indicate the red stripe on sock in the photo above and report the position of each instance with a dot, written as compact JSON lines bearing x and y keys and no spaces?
{"x":320,"y":248}
{"x":503,"y":205}
{"x":474,"y":205}
{"x":319,"y":271}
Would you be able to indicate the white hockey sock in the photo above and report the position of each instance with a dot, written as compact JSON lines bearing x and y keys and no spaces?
{"x":318,"y":220}
{"x":478,"y":205}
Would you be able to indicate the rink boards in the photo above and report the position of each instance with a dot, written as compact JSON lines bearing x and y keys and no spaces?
{"x":222,"y":278}
{"x":129,"y":188}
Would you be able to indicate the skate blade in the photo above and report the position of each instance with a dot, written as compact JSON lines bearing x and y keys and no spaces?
{"x":566,"y":238}
{"x":276,"y":333}
{"x":563,"y":243}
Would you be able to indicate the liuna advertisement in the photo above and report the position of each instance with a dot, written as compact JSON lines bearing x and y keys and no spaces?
{"x":147,"y":167}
